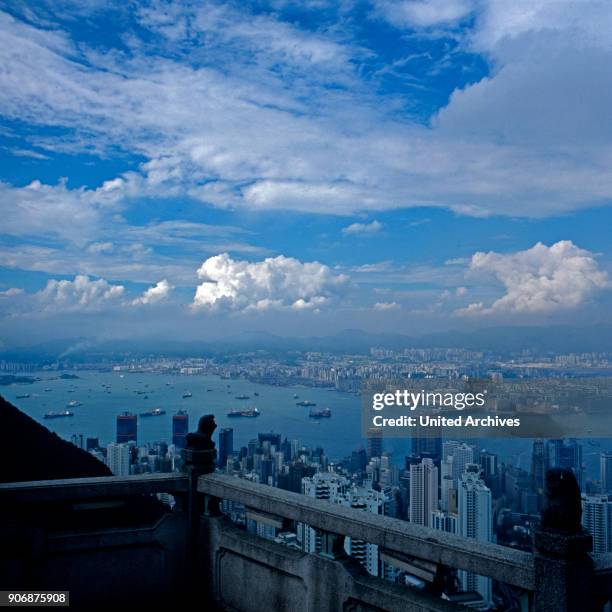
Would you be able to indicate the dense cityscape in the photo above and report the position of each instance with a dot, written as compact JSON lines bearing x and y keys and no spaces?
{"x":449,"y":485}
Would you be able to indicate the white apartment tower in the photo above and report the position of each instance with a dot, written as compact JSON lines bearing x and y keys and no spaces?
{"x":423,"y":491}
{"x":118,"y":459}
{"x":597,"y":520}
{"x":475,"y":521}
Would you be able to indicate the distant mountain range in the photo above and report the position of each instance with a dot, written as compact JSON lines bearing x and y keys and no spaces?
{"x":554,"y":339}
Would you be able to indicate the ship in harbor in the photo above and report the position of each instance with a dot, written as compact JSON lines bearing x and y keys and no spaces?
{"x":320,"y":414}
{"x":305,"y":403}
{"x":57,"y":415}
{"x":252,"y":413}
{"x":187,"y":394}
{"x":152,"y":413}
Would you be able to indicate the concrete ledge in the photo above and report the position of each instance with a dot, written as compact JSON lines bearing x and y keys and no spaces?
{"x":251,"y":574}
{"x":498,"y":562}
{"x":91,"y":488}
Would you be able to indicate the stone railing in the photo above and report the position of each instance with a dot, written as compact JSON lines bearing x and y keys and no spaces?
{"x":195,"y":550}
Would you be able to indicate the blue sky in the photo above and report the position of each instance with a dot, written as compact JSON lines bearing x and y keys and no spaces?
{"x":194,"y":169}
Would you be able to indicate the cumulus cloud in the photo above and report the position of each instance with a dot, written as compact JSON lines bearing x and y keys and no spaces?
{"x":274,"y":283}
{"x":541,"y":279}
{"x":362,"y":228}
{"x":79,"y":295}
{"x":154,"y":294}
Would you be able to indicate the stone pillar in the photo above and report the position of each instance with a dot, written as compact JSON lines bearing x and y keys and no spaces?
{"x":564,"y":576}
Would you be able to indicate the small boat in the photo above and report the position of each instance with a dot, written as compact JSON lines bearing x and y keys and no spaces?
{"x":295,"y":396}
{"x":73,"y":404}
{"x":154,"y":412}
{"x":305,"y":403}
{"x":256,"y":394}
{"x":187,"y":394}
{"x":252,"y":413}
{"x":320,"y":414}
{"x":47,"y":390}
{"x":57,"y":415}
{"x":243,"y":397}
{"x":23,"y":396}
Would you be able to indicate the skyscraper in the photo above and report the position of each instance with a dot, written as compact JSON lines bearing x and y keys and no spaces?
{"x":475,"y":521}
{"x":375,"y":446}
{"x":180,"y":428}
{"x":423,"y":491}
{"x":565,"y":454}
{"x":597,"y":520}
{"x":605,"y":472}
{"x":226,"y":446}
{"x":118,"y":459}
{"x":127,"y":428}
{"x":538,"y":465}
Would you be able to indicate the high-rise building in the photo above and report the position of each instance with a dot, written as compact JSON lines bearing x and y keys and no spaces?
{"x":597,"y":520}
{"x":605,"y":472}
{"x":375,"y":446}
{"x":462,"y":456}
{"x":180,"y":428}
{"x":425,"y":443}
{"x":538,"y":465}
{"x":423,"y":491}
{"x":475,"y":521}
{"x":565,"y":454}
{"x":443,"y":521}
{"x":272,"y":438}
{"x":127,"y":428}
{"x":118,"y":459}
{"x":226,"y":446}
{"x":322,"y":485}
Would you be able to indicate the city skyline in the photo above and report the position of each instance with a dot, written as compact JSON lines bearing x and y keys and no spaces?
{"x":388,"y":166}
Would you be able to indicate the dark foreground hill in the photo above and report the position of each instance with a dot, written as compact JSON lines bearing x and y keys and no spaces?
{"x":31,"y":452}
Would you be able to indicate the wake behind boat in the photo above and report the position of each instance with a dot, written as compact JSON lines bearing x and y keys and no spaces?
{"x":57,"y":415}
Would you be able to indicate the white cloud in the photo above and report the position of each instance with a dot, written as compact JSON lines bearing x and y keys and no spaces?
{"x":274,"y":283}
{"x":286,"y":120}
{"x":386,"y":306}
{"x":154,"y":294}
{"x":541,"y":279}
{"x":362,"y":228}
{"x":12,"y":292}
{"x":423,"y":13}
{"x":79,"y":295}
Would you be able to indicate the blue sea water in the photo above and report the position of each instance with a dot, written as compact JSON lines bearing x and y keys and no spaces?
{"x":104,"y":395}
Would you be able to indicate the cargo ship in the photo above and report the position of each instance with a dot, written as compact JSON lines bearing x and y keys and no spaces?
{"x":57,"y":415}
{"x":154,"y":412}
{"x":243,"y":413}
{"x":305,"y":403}
{"x":320,"y":414}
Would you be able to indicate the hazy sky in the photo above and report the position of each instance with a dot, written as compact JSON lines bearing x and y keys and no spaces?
{"x":185,"y":169}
